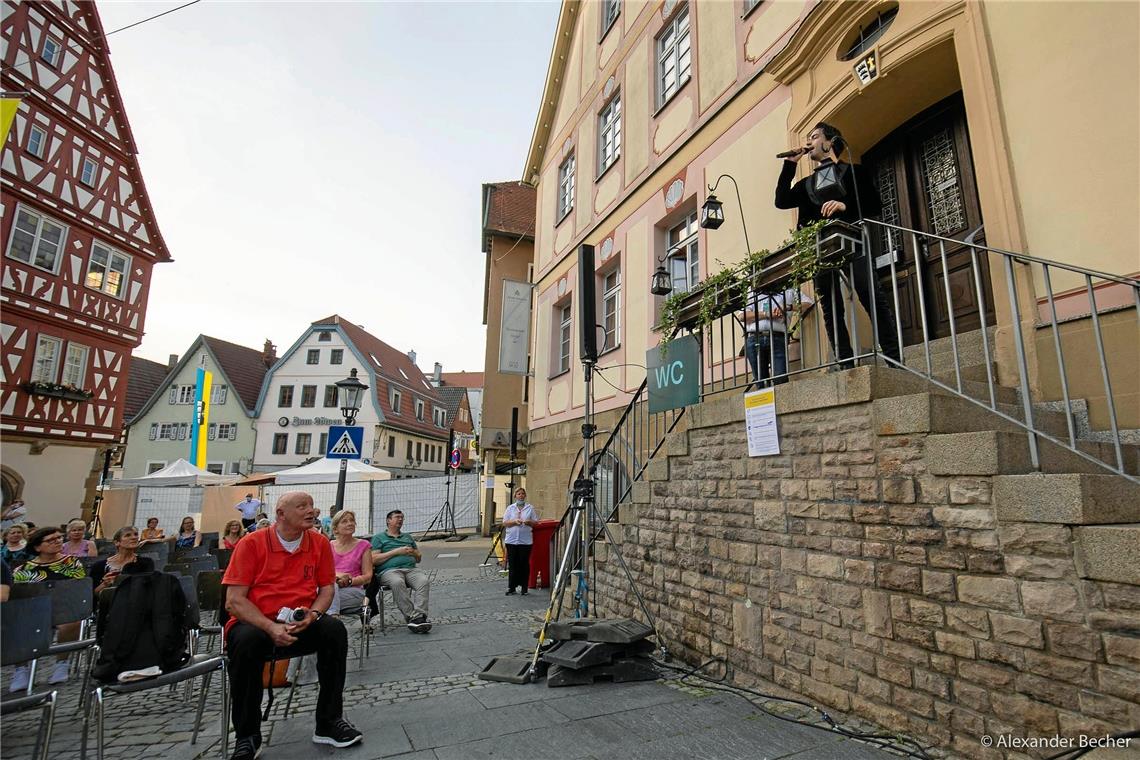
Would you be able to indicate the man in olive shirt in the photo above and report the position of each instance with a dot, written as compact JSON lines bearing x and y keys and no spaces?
{"x":394,"y":556}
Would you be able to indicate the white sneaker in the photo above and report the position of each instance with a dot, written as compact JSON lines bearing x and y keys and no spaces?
{"x":19,"y":679}
{"x":59,"y":673}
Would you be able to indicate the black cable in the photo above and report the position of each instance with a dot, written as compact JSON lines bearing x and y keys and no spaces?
{"x":151,"y":18}
{"x":888,"y":741}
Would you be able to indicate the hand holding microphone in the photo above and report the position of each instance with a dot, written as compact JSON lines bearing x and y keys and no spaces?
{"x":792,"y":155}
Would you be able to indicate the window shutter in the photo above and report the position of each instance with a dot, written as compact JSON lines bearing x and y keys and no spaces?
{"x":212,"y":431}
{"x":182,"y":430}
{"x":233,"y":432}
{"x":172,"y":397}
{"x":153,"y":431}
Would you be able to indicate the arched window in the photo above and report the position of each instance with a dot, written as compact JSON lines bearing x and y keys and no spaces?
{"x":868,"y":34}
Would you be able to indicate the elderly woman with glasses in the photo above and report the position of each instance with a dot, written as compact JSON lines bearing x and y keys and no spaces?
{"x":125,"y":559}
{"x":47,"y":562}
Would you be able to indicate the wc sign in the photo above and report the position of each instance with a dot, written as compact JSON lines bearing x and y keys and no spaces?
{"x":675,"y":376}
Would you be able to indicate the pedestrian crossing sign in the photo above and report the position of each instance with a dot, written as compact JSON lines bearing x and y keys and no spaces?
{"x":345,"y":442}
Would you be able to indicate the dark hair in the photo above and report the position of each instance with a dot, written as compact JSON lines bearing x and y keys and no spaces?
{"x":393,"y":512}
{"x":38,"y":537}
{"x":119,"y":533}
{"x":838,"y":144}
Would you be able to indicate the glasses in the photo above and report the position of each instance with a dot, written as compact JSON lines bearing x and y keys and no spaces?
{"x":52,"y":538}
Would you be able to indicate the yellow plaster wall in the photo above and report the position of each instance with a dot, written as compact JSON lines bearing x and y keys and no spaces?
{"x":587,"y":169}
{"x":607,"y":191}
{"x":610,"y":44}
{"x":587,"y":31}
{"x":570,"y":95}
{"x":638,"y":301}
{"x":674,"y":122}
{"x":1067,"y":78}
{"x":769,"y":24}
{"x":716,"y":49}
{"x":635,"y":111}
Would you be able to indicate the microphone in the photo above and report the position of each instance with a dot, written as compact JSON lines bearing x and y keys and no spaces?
{"x":790,"y":153}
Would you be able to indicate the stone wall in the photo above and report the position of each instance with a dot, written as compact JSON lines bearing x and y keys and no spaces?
{"x":846,"y":571}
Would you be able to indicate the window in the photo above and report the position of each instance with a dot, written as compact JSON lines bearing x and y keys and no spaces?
{"x":566,"y":187}
{"x":674,"y":58}
{"x":684,"y":255}
{"x":107,"y":270}
{"x":227,"y":431}
{"x":324,"y":337}
{"x":37,"y":142}
{"x":419,"y":451}
{"x":285,"y":396}
{"x":75,"y":365}
{"x":610,"y":11}
{"x":186,"y":394}
{"x":391,"y":446}
{"x":304,"y":443}
{"x":153,"y":467}
{"x":330,"y":396}
{"x":52,"y":51}
{"x":609,"y":134}
{"x":308,"y":395}
{"x":336,"y":356}
{"x":409,"y":450}
{"x":324,"y":445}
{"x":36,"y":240}
{"x":218,"y":394}
{"x":313,"y":356}
{"x":45,"y":368}
{"x":419,"y":410}
{"x":611,"y":307}
{"x":868,"y":35}
{"x":280,"y":443}
{"x":167,"y":431}
{"x":218,"y":468}
{"x":395,"y":402}
{"x":90,"y":173}
{"x":748,"y":6}
{"x":563,"y":338}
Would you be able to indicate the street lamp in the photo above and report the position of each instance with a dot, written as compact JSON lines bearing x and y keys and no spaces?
{"x":351,"y":392}
{"x":661,"y":284}
{"x":712,"y":212}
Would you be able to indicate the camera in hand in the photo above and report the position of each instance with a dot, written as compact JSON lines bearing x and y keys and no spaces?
{"x":289,"y":615}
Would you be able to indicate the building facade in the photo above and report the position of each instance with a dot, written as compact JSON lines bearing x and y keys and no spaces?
{"x":80,"y":239}
{"x":404,"y":418}
{"x":159,"y":433}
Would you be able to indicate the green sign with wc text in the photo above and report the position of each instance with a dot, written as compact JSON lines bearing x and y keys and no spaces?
{"x":674,"y":375}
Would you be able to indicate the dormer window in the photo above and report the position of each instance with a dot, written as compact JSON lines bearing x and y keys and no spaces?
{"x":324,"y":337}
{"x":395,"y":400}
{"x":419,"y":410}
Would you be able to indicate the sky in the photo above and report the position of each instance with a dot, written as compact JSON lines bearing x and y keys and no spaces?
{"x":311,"y":158}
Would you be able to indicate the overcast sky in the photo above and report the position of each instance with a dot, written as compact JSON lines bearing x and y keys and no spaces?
{"x":311,"y":158}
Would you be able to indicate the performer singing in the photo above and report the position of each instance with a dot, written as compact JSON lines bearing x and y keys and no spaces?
{"x":836,"y":190}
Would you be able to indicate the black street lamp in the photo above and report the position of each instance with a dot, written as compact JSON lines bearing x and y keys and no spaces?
{"x":712,"y":212}
{"x":661,"y":285}
{"x":351,"y":392}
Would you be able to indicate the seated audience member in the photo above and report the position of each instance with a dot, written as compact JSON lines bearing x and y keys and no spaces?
{"x":15,"y":544}
{"x":48,"y":562}
{"x":232,"y":534}
{"x":77,"y":545}
{"x":14,"y":513}
{"x":124,"y":560}
{"x":152,"y":533}
{"x":280,"y":583}
{"x":394,"y":555}
{"x":188,"y":535}
{"x":352,"y":560}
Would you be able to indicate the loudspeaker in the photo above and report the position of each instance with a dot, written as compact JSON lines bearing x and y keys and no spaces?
{"x":514,"y":433}
{"x":587,"y":305}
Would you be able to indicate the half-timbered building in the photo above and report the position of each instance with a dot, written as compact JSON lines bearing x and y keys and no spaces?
{"x":79,"y":239}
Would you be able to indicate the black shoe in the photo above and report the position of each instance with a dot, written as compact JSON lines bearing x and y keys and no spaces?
{"x":340,"y":733}
{"x":523,"y":592}
{"x":511,"y":591}
{"x":247,"y":748}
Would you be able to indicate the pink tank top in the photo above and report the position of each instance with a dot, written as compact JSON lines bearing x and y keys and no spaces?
{"x":350,"y":562}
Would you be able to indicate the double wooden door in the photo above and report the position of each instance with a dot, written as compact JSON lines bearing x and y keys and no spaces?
{"x":925,"y":177}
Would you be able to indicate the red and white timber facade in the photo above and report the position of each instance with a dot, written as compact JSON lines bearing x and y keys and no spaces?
{"x":79,"y":239}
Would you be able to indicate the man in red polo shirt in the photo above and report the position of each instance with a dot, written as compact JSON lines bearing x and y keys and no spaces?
{"x":287,"y":565}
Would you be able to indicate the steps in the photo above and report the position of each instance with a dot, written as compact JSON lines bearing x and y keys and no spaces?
{"x":995,"y":452}
{"x":1108,"y":553}
{"x":1068,"y":498}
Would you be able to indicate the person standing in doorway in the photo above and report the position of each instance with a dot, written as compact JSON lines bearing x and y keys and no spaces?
{"x":518,"y":527}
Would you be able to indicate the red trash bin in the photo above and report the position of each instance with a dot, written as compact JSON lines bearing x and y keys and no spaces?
{"x":542,"y":554}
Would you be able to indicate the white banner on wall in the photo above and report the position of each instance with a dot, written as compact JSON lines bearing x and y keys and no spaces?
{"x":514,"y":328}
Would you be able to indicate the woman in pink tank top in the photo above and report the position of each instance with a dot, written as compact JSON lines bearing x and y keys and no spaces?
{"x":352,"y":559}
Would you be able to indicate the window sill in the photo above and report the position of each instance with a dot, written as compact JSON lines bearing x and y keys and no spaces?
{"x":557,"y":375}
{"x":564,"y":217}
{"x":609,"y":350}
{"x":52,"y":270}
{"x":672,"y":97}
{"x":751,"y":10}
{"x":606,"y":32}
{"x":606,"y":170}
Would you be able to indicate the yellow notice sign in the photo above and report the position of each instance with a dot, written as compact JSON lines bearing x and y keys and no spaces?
{"x":760,"y":422}
{"x":8,"y":108}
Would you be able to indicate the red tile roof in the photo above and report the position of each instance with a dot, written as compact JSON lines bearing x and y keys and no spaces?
{"x":509,"y":207}
{"x":244,"y":367}
{"x":399,"y":372}
{"x":463,"y":379}
{"x":144,"y":377}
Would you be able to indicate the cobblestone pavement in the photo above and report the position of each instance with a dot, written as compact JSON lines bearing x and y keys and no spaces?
{"x":417,"y":697}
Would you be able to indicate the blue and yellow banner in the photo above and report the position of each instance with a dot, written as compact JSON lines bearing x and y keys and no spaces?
{"x":203,"y":383}
{"x":8,"y":108}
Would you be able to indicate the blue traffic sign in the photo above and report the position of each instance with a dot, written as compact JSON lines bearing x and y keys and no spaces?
{"x":345,"y":442}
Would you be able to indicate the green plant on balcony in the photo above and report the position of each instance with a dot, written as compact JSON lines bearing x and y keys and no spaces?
{"x":66,"y":391}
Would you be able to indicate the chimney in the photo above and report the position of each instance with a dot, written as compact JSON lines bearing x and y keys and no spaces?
{"x":437,"y":375}
{"x":268,"y":353}
{"x":171,"y":360}
{"x":412,"y":356}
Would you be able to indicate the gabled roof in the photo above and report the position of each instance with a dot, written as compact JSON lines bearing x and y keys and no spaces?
{"x":509,"y":208}
{"x":144,"y":377}
{"x":391,"y":367}
{"x":463,"y":379}
{"x":452,"y":399}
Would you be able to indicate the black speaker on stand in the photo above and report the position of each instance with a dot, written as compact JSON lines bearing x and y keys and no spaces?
{"x":587,"y":306}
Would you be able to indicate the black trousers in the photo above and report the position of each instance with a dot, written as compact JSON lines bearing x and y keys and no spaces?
{"x":247,"y":524}
{"x":830,"y":296}
{"x":518,"y":565}
{"x":249,"y":648}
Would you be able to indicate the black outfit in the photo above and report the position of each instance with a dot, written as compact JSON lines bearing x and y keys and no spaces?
{"x":140,"y":565}
{"x":249,"y":648}
{"x":518,"y":566}
{"x":248,"y":524}
{"x":854,"y":189}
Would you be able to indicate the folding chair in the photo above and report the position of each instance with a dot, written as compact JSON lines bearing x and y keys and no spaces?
{"x":194,"y":566}
{"x":198,"y":665}
{"x":211,"y":596}
{"x":210,"y":540}
{"x":375,"y":597}
{"x":189,"y":553}
{"x":72,"y":601}
{"x":157,"y":558}
{"x":223,"y":556}
{"x":25,"y":634}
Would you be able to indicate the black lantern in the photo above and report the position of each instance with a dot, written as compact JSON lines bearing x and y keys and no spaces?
{"x":712,"y":213}
{"x":661,"y":285}
{"x":351,"y":393}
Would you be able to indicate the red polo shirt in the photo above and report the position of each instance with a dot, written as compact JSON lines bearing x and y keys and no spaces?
{"x":277,"y":578}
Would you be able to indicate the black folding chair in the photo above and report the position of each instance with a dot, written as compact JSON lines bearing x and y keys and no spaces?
{"x":194,"y":566}
{"x":104,"y":544}
{"x":190,"y":552}
{"x":158,"y":558}
{"x":374,"y":594}
{"x":211,"y":597}
{"x":210,"y":540}
{"x":25,"y":635}
{"x":72,"y":601}
{"x":223,"y":556}
{"x":198,"y":665}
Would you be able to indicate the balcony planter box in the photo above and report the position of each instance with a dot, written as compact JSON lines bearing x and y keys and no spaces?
{"x":55,"y":390}
{"x":836,"y":243}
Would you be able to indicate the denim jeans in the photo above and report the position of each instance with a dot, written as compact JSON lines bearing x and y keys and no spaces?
{"x":768,"y":356}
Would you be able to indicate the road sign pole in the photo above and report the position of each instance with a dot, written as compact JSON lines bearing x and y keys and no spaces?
{"x":340,"y":487}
